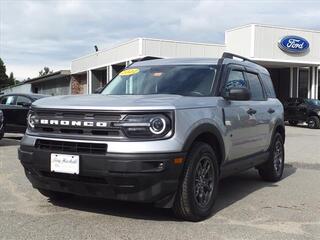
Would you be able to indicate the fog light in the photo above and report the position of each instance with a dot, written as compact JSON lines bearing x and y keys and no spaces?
{"x":161,"y":165}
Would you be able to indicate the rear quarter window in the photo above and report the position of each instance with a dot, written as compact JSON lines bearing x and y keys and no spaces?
{"x":267,"y":82}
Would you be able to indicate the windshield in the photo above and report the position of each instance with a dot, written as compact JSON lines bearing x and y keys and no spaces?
{"x":195,"y":80}
{"x":314,"y":102}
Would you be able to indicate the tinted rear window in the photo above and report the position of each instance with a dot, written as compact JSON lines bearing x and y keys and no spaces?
{"x":267,"y":82}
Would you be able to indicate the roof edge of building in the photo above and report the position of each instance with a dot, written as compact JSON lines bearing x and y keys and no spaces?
{"x":57,"y":73}
{"x":106,"y":49}
{"x":151,"y":39}
{"x":272,"y":26}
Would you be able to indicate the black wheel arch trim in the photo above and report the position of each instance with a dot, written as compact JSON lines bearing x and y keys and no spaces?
{"x":279,"y":123}
{"x":205,"y":128}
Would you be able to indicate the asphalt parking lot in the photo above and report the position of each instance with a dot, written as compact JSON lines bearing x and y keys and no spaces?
{"x":247,"y":207}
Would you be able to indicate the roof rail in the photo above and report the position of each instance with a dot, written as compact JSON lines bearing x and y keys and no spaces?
{"x":231,"y":56}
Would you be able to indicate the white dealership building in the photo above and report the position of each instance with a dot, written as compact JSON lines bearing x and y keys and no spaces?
{"x":291,"y":55}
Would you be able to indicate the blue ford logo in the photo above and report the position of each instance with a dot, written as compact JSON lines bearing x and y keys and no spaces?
{"x":293,"y":44}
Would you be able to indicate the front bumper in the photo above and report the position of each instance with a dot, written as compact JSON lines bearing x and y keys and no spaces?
{"x":132,"y":177}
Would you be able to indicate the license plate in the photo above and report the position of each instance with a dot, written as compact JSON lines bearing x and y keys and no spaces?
{"x":64,"y":163}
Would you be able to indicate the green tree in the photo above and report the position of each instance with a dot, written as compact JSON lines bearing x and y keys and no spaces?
{"x":11,"y":79}
{"x":3,"y":75}
{"x":45,"y":71}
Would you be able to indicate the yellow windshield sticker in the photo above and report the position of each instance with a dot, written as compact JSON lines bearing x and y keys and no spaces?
{"x":129,"y":72}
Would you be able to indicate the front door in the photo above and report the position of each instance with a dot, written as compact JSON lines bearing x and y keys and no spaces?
{"x":240,"y":120}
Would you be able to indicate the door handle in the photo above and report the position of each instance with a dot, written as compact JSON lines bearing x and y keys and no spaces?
{"x":271,"y":110}
{"x":251,"y":111}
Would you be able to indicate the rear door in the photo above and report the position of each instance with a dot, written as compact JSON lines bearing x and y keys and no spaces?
{"x":7,"y":106}
{"x":239,"y":121}
{"x":301,"y":110}
{"x":263,"y":111}
{"x":290,"y":108}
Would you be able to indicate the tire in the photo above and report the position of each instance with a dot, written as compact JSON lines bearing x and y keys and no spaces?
{"x":2,"y":131}
{"x":272,"y":170}
{"x":198,"y":190}
{"x":53,"y":195}
{"x":313,"y":122}
{"x":293,"y":123}
{"x":1,"y":134}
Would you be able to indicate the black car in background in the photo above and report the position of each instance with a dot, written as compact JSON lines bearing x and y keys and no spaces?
{"x":299,"y":110}
{"x":15,"y":108}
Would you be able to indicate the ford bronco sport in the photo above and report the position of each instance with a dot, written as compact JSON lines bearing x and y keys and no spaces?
{"x":163,"y":131}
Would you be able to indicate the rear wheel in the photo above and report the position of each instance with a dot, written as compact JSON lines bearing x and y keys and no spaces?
{"x":2,"y":130}
{"x":1,"y":133}
{"x":313,"y":122}
{"x":293,"y":123}
{"x":199,"y":187}
{"x":272,"y":170}
{"x":54,"y":195}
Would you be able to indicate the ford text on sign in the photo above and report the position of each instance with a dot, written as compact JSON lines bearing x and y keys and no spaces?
{"x":293,"y":44}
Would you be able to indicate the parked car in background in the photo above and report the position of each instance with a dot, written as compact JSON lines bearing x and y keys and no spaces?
{"x":15,"y":108}
{"x":1,"y":125}
{"x":300,"y":110}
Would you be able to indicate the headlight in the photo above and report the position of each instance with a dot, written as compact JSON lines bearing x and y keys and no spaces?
{"x":150,"y":126}
{"x":157,"y":125}
{"x":31,"y":119}
{"x":318,"y":113}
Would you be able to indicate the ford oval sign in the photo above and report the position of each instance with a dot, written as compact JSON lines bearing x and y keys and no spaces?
{"x":293,"y":44}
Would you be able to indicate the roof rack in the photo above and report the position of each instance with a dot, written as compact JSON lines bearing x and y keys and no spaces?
{"x":231,"y":56}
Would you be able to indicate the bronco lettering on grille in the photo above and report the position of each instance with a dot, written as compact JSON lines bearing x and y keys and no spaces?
{"x":73,"y":123}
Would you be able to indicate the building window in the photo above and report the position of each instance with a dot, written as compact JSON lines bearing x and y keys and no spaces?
{"x":303,"y":82}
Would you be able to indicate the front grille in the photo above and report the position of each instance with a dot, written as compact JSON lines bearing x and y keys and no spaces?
{"x":71,"y":147}
{"x":87,"y":132}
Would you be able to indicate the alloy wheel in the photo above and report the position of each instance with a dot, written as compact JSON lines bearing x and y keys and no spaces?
{"x":278,"y":156}
{"x":204,"y":182}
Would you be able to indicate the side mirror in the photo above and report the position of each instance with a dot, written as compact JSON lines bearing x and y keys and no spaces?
{"x":237,"y":94}
{"x":26,"y":104}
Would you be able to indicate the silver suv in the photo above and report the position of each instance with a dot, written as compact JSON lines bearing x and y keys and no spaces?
{"x":162,"y":131}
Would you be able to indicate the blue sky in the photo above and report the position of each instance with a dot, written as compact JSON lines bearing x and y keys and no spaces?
{"x":34,"y":34}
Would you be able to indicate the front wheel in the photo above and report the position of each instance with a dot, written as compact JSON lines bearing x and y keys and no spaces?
{"x":272,"y":170}
{"x":313,"y":122}
{"x":1,"y":131}
{"x":199,"y":187}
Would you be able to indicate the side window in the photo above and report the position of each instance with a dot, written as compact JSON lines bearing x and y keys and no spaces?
{"x":8,"y":100}
{"x":22,"y":100}
{"x":268,"y":85}
{"x":235,"y":80}
{"x":255,"y":87}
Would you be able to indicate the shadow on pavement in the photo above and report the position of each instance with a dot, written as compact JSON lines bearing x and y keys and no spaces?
{"x":10,"y":141}
{"x":235,"y":188}
{"x":232,"y":189}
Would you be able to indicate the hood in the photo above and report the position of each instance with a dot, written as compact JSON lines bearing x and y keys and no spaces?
{"x":118,"y":102}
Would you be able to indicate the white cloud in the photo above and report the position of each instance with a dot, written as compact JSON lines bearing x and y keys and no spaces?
{"x":52,"y":33}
